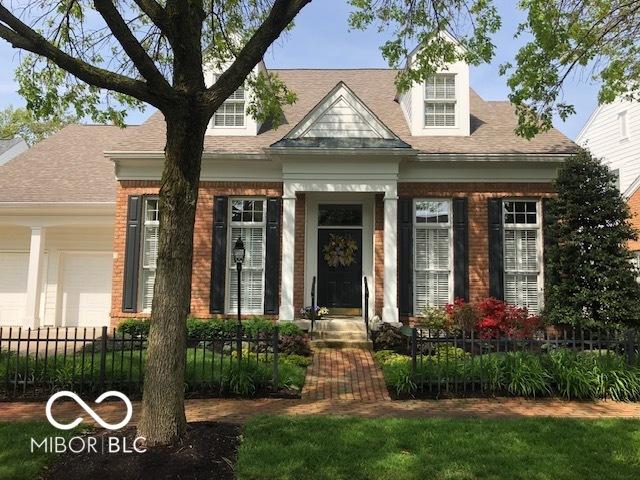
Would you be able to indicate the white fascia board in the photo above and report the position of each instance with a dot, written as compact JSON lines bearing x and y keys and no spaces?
{"x":159,"y":155}
{"x":336,"y":152}
{"x":631,"y":189}
{"x":57,"y":214}
{"x":493,"y":157}
{"x":587,"y":125}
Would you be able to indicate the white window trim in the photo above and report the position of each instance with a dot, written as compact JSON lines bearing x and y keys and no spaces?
{"x":425,"y":226}
{"x":539,"y":244}
{"x":212,"y":122}
{"x":453,"y":102}
{"x":231,"y":267}
{"x":141,"y":268}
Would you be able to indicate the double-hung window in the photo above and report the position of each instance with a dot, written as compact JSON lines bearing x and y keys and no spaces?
{"x":522,"y":253}
{"x":232,"y":112}
{"x":247,"y":221}
{"x":440,"y":101}
{"x":432,"y":253}
{"x":149,"y":253}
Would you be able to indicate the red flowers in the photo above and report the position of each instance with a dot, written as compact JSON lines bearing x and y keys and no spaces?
{"x":492,"y":318}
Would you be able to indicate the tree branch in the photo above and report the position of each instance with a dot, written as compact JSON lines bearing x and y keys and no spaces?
{"x":281,"y":14}
{"x":20,"y":35}
{"x":157,"y":14}
{"x":131,"y":46}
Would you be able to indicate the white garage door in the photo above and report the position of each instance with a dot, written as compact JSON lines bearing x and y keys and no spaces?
{"x":86,"y":289}
{"x":13,"y":287}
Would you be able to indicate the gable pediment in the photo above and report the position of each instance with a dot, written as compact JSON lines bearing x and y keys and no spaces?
{"x":341,"y":119}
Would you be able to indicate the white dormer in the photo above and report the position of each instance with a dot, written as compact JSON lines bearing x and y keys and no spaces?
{"x":232,"y":117}
{"x":440,"y":105}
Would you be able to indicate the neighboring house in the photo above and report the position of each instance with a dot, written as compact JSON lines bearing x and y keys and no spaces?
{"x":10,"y":148}
{"x":612,"y":134}
{"x":429,"y":196}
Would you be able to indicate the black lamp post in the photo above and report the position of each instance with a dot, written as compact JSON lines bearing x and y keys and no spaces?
{"x":238,"y":255}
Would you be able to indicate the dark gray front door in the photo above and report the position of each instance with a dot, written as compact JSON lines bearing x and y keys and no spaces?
{"x":340,"y":268}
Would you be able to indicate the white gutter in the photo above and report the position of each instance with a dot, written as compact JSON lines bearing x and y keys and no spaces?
{"x":493,"y":157}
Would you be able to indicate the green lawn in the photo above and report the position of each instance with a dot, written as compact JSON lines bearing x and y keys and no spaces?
{"x":430,"y":449}
{"x":16,"y":460}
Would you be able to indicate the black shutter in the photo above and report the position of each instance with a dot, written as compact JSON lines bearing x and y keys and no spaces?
{"x":496,"y":260}
{"x":272,"y":257}
{"x":547,"y":238}
{"x":218,"y":254}
{"x":460,"y":249}
{"x":132,"y":254}
{"x":405,"y":255}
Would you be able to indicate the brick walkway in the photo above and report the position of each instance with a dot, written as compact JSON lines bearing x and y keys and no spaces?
{"x":344,"y":374}
{"x":241,"y":410}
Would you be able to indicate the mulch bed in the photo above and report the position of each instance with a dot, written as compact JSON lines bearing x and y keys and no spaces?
{"x":208,"y":451}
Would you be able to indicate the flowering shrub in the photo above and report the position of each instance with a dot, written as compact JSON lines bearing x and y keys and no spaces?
{"x":498,"y":318}
{"x":490,"y":318}
{"x":463,"y":315}
{"x":435,"y":318}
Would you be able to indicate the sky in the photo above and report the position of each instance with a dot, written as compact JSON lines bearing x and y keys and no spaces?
{"x":321,"y":39}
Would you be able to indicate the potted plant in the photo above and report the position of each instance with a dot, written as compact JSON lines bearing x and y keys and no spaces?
{"x":307,"y":312}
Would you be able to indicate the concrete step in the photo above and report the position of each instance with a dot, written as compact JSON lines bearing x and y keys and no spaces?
{"x":330,"y":325}
{"x":326,"y":343}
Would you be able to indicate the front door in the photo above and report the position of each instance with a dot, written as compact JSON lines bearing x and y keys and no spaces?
{"x":340,"y":269}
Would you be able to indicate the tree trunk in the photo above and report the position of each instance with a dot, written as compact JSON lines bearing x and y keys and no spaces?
{"x":163,"y":418}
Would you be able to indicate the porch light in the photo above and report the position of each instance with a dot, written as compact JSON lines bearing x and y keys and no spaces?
{"x":238,"y":255}
{"x":239,"y":252}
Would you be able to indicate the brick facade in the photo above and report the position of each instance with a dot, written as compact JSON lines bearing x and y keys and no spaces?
{"x":477,"y":194}
{"x":298,"y":263}
{"x":634,"y":206}
{"x":202,"y":240}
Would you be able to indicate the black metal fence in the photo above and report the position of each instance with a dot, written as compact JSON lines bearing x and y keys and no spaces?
{"x":463,"y":363}
{"x":36,"y":363}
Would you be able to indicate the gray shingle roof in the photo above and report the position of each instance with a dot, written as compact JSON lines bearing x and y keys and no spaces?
{"x":492,"y":123}
{"x":66,"y":167}
{"x":7,"y":143}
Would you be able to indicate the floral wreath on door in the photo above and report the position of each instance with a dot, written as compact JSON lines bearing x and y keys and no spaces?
{"x":340,"y":250}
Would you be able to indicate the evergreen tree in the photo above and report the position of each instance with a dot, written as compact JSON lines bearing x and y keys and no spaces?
{"x":590,"y":280}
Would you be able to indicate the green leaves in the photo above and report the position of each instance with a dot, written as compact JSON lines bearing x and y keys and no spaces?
{"x":438,"y":32}
{"x":590,"y":280}
{"x":21,"y":122}
{"x":269,"y":94}
{"x":566,"y":37}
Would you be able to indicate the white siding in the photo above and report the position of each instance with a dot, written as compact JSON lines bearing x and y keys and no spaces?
{"x":602,"y":136}
{"x":341,"y":120}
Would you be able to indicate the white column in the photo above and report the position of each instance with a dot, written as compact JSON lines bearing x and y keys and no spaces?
{"x":390,"y":284}
{"x":34,"y":277}
{"x":288,"y":256}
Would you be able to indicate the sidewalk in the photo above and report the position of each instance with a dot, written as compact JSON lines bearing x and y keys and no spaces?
{"x":241,"y":410}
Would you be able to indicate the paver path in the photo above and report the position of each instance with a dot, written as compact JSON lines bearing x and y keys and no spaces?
{"x":344,"y":374}
{"x":241,"y":410}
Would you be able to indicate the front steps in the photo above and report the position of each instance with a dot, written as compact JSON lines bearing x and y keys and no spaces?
{"x":340,"y":332}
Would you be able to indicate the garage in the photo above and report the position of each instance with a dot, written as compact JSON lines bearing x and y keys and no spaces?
{"x":13,"y":287}
{"x":86,"y":289}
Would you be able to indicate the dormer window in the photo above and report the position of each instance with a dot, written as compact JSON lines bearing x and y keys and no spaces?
{"x":440,"y":101}
{"x":232,"y":112}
